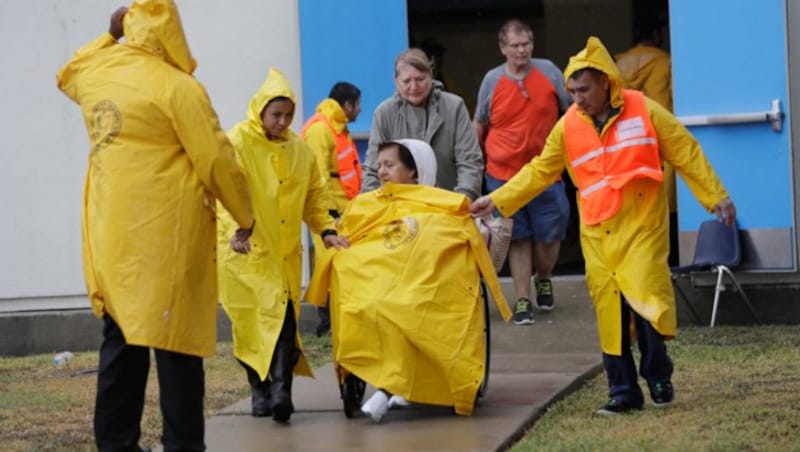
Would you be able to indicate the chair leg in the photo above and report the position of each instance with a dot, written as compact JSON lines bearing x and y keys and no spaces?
{"x":744,"y":295}
{"x":685,"y":299}
{"x":717,"y":290}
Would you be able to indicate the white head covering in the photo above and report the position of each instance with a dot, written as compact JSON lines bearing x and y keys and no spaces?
{"x":424,"y":158}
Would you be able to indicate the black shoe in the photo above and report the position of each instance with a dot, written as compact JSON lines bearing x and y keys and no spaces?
{"x":615,"y":406}
{"x":523,"y":312}
{"x":544,"y":295}
{"x":662,"y":394}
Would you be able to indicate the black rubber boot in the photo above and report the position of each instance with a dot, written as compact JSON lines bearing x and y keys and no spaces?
{"x":259,"y":391}
{"x":281,"y":370}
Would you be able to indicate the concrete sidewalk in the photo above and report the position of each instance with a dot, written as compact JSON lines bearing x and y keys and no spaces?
{"x":532,"y":366}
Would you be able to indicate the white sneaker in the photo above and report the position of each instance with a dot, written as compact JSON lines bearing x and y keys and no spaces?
{"x":397,"y":401}
{"x":377,"y":406}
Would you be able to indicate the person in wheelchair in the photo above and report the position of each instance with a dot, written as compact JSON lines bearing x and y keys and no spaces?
{"x":406,"y":309}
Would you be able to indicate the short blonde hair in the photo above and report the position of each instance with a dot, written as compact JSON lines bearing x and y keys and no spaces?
{"x":415,"y":58}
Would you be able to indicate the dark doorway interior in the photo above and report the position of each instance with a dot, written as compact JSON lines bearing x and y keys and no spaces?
{"x":461,"y":35}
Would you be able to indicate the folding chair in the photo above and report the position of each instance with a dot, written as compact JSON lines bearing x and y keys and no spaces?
{"x":718,"y":249}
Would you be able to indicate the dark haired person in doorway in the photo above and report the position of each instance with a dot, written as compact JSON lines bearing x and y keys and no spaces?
{"x":518,"y":103}
{"x":612,"y":142}
{"x":337,"y":157}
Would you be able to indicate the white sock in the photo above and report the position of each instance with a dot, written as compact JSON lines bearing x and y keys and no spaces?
{"x":377,"y":406}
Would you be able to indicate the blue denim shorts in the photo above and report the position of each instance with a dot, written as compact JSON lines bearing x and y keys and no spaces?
{"x":544,"y":219}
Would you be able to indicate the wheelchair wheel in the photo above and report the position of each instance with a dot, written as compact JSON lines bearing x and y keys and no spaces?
{"x":352,"y":392}
{"x":487,"y":339}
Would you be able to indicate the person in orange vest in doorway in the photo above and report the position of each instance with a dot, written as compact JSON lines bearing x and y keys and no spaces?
{"x":337,"y":156}
{"x":612,"y":141}
{"x":648,"y":68}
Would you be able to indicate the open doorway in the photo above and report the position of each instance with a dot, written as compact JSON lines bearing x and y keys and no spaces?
{"x":461,"y":36}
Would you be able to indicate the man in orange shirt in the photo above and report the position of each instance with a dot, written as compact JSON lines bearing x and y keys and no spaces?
{"x":518,"y":103}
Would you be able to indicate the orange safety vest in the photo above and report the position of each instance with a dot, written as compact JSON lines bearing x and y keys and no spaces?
{"x":602,"y":166}
{"x":348,"y":163}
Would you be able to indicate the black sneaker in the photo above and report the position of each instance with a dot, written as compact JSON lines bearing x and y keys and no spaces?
{"x":662,"y":394}
{"x":523,"y":312}
{"x":544,"y":295}
{"x":614,"y":407}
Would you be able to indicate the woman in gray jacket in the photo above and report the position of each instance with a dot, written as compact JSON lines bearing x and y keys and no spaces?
{"x":421,"y":109}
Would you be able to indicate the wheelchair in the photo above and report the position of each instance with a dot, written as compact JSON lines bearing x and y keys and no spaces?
{"x":352,"y":389}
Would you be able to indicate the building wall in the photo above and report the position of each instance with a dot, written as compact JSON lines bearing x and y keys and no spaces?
{"x":44,"y":148}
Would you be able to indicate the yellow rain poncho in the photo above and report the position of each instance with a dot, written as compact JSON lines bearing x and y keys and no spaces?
{"x":406,"y":309}
{"x":158,"y":161}
{"x":287,"y":190}
{"x":626,"y":254}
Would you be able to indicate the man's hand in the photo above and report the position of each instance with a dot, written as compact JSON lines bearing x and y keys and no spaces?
{"x":481,"y":207}
{"x":335,"y":241}
{"x":240,"y":242}
{"x":115,"y":27}
{"x":726,"y":212}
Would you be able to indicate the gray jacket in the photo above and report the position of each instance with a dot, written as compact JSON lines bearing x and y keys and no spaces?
{"x":449,"y":132}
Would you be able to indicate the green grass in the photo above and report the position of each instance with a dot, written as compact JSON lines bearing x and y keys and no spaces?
{"x":45,"y":407}
{"x":737,"y":388}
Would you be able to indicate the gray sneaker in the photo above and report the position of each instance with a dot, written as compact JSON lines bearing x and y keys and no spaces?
{"x":544,"y":295}
{"x":523,"y":312}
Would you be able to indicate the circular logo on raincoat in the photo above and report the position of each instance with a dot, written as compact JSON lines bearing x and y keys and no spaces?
{"x":105,"y":124}
{"x":400,"y":232}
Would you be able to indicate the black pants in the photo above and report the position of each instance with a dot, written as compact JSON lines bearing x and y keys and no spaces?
{"x":121,"y":383}
{"x":655,"y":366}
{"x":285,"y":340}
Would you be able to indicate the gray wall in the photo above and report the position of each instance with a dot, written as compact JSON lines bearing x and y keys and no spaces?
{"x":44,"y":147}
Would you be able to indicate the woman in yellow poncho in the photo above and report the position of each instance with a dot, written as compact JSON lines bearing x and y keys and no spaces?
{"x":407,"y":316}
{"x":259,"y":278}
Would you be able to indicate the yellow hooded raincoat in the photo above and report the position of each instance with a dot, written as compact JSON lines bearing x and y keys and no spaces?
{"x":158,"y":160}
{"x":406,"y":307}
{"x":287,"y":190}
{"x":626,"y":254}
{"x":320,"y":139}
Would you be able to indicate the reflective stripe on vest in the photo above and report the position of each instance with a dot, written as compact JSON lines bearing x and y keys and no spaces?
{"x":347,"y":160}
{"x":601,"y":167}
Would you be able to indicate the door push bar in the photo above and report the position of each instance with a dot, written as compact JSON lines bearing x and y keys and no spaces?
{"x":774,"y":116}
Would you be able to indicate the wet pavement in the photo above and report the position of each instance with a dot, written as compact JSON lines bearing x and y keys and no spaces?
{"x":532,"y":366}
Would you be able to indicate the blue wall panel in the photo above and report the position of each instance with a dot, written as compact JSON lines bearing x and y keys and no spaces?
{"x":355,"y":41}
{"x":730,"y":56}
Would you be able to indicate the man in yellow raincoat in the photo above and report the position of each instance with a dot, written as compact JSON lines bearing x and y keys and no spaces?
{"x":612,"y":142}
{"x":337,"y":156}
{"x":158,"y":161}
{"x":260,"y":277}
{"x":407,"y":313}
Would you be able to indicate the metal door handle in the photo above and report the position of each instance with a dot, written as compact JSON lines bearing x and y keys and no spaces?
{"x":774,"y":116}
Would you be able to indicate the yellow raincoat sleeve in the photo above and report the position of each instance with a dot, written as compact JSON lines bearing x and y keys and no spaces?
{"x":679,"y":148}
{"x":210,"y":151}
{"x":65,"y":79}
{"x":486,"y":267}
{"x":318,"y":202}
{"x":533,"y":178}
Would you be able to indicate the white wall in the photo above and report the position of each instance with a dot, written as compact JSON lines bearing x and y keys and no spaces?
{"x":43,"y":152}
